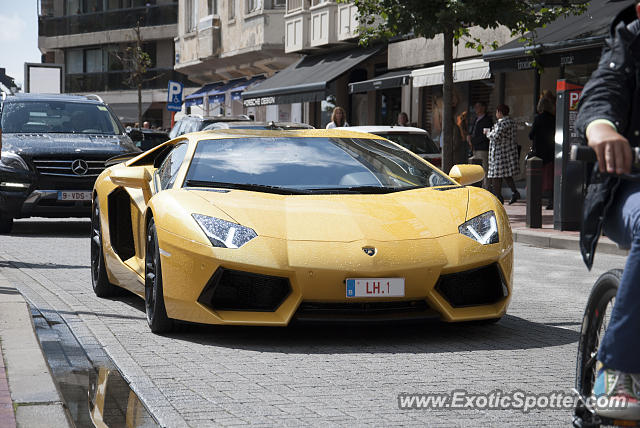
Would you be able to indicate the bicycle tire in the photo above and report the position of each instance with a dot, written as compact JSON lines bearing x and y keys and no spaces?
{"x":602,"y":293}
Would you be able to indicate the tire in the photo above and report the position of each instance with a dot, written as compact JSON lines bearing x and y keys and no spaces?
{"x":99,"y":279}
{"x":157,"y":317}
{"x":594,"y":325}
{"x":6,"y":224}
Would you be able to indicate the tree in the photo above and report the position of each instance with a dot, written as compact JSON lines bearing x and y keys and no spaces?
{"x":135,"y":59}
{"x":381,"y":19}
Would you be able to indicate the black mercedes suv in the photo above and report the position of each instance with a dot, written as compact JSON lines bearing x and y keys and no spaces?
{"x":52,"y":149}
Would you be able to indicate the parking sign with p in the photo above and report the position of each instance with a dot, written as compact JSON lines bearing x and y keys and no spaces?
{"x":174,"y":96}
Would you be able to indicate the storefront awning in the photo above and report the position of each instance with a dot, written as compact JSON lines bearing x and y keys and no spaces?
{"x":197,"y":97}
{"x":218,"y":94}
{"x":392,"y":79}
{"x":236,"y":94}
{"x":463,"y":71}
{"x":567,"y":40}
{"x":306,"y":80}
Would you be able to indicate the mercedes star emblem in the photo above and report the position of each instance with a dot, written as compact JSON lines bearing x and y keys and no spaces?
{"x":79,"y":167}
{"x":369,"y":251}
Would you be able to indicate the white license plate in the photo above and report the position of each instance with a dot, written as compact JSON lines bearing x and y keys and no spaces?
{"x":375,"y":287}
{"x":74,"y":196}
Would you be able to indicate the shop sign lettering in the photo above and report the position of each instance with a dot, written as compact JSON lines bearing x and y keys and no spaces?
{"x":263,"y":101}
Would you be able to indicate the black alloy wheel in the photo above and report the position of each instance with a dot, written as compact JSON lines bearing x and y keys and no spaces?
{"x":99,"y":279}
{"x":6,"y":224}
{"x":157,"y":317}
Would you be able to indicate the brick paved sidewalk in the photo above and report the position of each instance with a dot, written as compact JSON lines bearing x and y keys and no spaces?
{"x":547,"y":236}
{"x":7,"y":418}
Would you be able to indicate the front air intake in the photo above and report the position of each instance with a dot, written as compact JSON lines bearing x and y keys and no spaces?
{"x":477,"y":287}
{"x":232,"y":290}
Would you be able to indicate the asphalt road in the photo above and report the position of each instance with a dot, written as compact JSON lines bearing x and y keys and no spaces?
{"x":316,"y":375}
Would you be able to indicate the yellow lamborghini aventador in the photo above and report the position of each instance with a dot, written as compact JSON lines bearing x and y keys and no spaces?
{"x":263,"y":227}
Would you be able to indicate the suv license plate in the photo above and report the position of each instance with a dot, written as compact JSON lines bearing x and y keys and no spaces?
{"x":74,"y":196}
{"x":375,"y":287}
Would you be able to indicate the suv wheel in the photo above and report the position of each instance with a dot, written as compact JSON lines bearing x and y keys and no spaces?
{"x":6,"y":224}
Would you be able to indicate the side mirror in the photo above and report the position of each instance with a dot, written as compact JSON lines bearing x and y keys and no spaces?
{"x":135,"y":177}
{"x":135,"y":135}
{"x":467,"y":174}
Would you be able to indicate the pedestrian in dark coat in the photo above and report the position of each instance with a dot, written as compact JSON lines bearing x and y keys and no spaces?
{"x":477,"y":136}
{"x":543,"y":143}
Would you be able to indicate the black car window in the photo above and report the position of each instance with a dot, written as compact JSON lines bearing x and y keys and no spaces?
{"x":417,"y":143}
{"x":311,"y":164}
{"x":150,"y":140}
{"x":59,"y":117}
{"x":169,"y":168}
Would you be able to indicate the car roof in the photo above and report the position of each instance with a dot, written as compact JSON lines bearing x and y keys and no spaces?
{"x":300,"y":133}
{"x":236,"y":118}
{"x":374,"y":129}
{"x":266,"y":124}
{"x":52,"y":97}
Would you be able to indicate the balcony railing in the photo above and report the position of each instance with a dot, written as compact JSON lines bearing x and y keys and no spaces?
{"x":108,"y":20}
{"x":156,"y":78}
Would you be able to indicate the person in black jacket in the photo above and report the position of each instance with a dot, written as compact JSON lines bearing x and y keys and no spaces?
{"x":477,"y":138}
{"x":543,"y":137}
{"x":609,"y":118}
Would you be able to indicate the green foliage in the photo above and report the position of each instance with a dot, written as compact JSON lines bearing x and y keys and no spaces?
{"x":382,"y":19}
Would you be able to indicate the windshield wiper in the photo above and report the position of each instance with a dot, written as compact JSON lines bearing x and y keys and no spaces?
{"x":244,"y":186}
{"x":363,"y":189}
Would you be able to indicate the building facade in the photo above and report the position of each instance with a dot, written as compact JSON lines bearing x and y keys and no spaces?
{"x":92,"y":39}
{"x":323,"y":36}
{"x":229,"y":45}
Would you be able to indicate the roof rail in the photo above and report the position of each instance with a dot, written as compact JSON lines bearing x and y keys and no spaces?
{"x":95,"y":97}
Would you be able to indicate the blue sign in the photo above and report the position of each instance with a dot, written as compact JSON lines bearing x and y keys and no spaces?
{"x":174,"y":96}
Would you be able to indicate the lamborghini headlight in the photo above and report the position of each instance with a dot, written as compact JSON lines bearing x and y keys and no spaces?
{"x":13,"y":161}
{"x":483,"y":228}
{"x":222,"y":233}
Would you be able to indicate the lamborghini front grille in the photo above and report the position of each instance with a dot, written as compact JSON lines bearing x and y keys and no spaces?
{"x":233,"y":290}
{"x":483,"y":286}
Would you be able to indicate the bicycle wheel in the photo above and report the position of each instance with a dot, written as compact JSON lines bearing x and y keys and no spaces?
{"x":594,"y":324}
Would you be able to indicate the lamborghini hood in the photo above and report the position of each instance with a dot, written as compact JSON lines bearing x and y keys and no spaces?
{"x":408,"y":215}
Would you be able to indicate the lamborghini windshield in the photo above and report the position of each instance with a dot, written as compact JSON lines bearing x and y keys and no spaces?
{"x":309,"y":165}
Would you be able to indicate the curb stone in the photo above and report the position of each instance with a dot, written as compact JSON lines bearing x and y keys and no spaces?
{"x":35,"y":396}
{"x":550,"y":240}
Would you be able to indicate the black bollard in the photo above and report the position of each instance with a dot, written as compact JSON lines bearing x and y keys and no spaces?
{"x":534,"y":192}
{"x":477,"y":161}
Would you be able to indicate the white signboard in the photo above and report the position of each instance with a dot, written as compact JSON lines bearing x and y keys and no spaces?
{"x":43,"y":78}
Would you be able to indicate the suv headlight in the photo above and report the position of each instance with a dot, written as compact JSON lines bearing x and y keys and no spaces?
{"x":13,"y":161}
{"x":222,"y":233}
{"x":483,"y":228}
